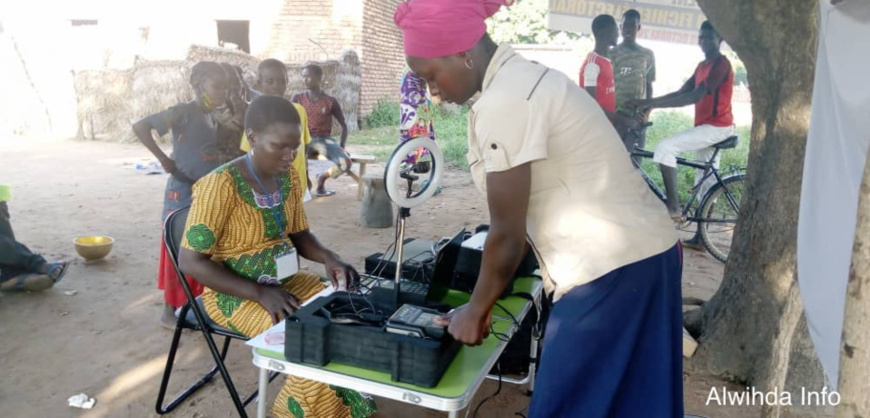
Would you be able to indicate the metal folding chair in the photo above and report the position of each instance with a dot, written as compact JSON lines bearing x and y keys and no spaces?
{"x":193,"y":317}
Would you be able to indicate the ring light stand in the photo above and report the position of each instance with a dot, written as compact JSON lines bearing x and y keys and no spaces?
{"x":394,"y":175}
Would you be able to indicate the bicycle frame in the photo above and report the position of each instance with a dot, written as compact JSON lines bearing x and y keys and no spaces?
{"x":709,"y":170}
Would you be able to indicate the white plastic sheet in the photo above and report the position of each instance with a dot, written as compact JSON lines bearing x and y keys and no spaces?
{"x":836,"y":152}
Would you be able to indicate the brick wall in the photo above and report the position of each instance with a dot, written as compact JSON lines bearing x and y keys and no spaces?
{"x":382,"y":55}
{"x":365,"y":26}
{"x":335,"y":25}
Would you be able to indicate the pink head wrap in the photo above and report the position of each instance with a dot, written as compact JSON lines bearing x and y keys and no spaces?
{"x":439,"y":28}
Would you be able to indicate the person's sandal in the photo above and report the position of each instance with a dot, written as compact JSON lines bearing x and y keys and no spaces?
{"x":324,"y":193}
{"x":27,"y":282}
{"x":56,"y":270}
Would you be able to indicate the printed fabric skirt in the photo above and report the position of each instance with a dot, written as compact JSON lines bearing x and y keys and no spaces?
{"x":298,"y":397}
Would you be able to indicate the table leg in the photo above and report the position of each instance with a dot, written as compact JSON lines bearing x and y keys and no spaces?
{"x":362,"y":172}
{"x":533,"y":364}
{"x":261,"y":395}
{"x":453,"y":414}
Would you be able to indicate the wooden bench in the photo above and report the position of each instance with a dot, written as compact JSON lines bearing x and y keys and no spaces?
{"x":361,"y":161}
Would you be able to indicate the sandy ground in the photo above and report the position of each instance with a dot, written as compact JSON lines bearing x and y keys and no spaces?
{"x":106,"y":341}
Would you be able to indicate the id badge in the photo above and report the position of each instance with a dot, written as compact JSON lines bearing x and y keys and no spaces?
{"x":288,"y":263}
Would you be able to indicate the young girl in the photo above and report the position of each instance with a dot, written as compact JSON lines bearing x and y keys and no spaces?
{"x":195,"y":153}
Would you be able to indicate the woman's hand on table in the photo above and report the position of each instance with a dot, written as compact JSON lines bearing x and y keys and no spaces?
{"x":341,"y":274}
{"x":466,"y":325}
{"x":278,"y":302}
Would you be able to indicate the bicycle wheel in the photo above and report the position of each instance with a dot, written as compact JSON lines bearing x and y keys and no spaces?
{"x":719,"y":215}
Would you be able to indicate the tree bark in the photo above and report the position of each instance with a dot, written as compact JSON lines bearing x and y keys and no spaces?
{"x":855,"y":346}
{"x":749,"y":324}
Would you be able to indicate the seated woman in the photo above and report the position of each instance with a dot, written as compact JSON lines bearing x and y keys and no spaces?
{"x":246,"y":216}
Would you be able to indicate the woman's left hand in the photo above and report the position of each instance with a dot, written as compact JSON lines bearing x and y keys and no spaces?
{"x":341,"y":274}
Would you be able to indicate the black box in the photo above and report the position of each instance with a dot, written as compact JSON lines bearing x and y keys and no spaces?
{"x":418,"y":261}
{"x":312,"y":338}
{"x":468,"y":266}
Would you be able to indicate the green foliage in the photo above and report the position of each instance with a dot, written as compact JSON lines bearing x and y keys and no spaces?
{"x":451,"y":131}
{"x":386,"y":113}
{"x":740,"y":75}
{"x":526,"y":23}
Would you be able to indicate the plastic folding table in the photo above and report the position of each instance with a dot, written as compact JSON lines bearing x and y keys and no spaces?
{"x":459,"y":383}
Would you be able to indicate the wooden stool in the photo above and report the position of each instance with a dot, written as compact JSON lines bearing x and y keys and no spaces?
{"x":361,"y":161}
{"x":377,"y":209}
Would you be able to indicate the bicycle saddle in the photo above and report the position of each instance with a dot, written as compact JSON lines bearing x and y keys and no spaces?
{"x":731,"y":142}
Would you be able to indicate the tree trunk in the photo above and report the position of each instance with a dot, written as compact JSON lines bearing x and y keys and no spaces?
{"x":855,"y":346}
{"x":749,"y":324}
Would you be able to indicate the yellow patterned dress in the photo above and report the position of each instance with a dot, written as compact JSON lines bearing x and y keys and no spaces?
{"x":234,"y":224}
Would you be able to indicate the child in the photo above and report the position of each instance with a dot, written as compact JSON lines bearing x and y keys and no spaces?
{"x":195,"y":153}
{"x":321,"y":108}
{"x":230,"y":117}
{"x":416,"y":118}
{"x":634,"y":70}
{"x":596,"y":74}
{"x":272,"y":81}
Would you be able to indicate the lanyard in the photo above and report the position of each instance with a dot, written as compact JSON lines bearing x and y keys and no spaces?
{"x":272,"y":205}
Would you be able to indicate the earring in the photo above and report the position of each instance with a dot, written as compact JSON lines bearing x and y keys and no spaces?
{"x":469,"y":64}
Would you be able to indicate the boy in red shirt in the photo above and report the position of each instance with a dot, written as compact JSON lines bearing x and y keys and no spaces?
{"x":709,"y":89}
{"x":596,"y":74}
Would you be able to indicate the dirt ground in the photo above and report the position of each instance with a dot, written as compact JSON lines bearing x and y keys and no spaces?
{"x":106,"y":341}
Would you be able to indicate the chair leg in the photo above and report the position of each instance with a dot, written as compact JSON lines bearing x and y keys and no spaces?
{"x":167,"y":372}
{"x":219,"y":360}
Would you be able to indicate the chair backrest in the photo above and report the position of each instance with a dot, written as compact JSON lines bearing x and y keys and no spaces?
{"x":173,"y":234}
{"x":173,"y":231}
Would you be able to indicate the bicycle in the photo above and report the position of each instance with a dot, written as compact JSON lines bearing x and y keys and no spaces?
{"x":716,"y":217}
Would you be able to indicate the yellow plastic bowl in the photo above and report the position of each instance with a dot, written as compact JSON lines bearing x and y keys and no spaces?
{"x":94,"y":248}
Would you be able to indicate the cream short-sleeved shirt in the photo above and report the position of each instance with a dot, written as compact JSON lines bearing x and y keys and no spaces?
{"x":589,"y":211}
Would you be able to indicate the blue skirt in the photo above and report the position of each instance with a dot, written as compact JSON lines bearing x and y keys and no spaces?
{"x":613,"y":347}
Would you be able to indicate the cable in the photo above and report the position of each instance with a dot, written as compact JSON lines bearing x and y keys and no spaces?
{"x":377,"y":272}
{"x":498,"y":335}
{"x":513,"y":318}
{"x":497,"y":391}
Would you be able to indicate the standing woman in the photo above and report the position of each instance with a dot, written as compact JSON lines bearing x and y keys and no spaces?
{"x":195,"y":153}
{"x":557,"y":178}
